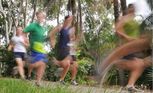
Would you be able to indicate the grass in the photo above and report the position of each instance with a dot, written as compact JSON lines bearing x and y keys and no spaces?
{"x":9,"y":85}
{"x":19,"y":86}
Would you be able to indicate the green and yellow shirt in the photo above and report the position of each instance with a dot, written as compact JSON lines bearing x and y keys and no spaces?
{"x":37,"y":36}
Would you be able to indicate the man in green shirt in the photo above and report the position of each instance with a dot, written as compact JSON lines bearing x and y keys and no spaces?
{"x":37,"y":35}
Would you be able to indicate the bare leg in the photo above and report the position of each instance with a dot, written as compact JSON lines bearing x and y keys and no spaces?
{"x":125,"y":49}
{"x":20,"y":67}
{"x":55,"y":61}
{"x":74,"y":70}
{"x":148,"y":61}
{"x":30,"y":68}
{"x":136,"y":71}
{"x":40,"y":69}
{"x":136,"y":67}
{"x":65,"y":64}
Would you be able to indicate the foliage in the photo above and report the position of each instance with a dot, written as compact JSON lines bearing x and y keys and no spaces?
{"x":99,"y":37}
{"x":85,"y":69}
{"x":146,"y":79}
{"x":7,"y":62}
{"x":112,"y":78}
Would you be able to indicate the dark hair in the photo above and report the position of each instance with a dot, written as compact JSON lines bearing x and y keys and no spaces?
{"x":66,"y":17}
{"x":130,"y":5}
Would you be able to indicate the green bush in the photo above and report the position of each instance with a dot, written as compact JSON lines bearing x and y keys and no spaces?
{"x":6,"y":61}
{"x":146,"y":79}
{"x":85,"y":69}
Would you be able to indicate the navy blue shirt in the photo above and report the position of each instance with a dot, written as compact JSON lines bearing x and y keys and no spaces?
{"x":64,"y":38}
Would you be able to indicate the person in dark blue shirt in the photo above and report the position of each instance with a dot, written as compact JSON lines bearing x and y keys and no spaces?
{"x":65,"y":58}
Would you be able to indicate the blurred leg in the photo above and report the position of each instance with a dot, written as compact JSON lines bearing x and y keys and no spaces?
{"x":136,"y":66}
{"x":74,"y":70}
{"x":40,"y":69}
{"x":148,"y":61}
{"x":65,"y":64}
{"x":30,"y":68}
{"x":20,"y":67}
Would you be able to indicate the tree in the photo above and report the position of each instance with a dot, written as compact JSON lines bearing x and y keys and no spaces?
{"x":116,"y":9}
{"x":123,"y":6}
{"x":150,"y":2}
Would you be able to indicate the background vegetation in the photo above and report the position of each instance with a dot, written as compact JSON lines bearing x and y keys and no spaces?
{"x":95,"y":29}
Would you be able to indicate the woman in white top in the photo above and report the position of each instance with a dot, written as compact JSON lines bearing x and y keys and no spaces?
{"x":19,"y":43}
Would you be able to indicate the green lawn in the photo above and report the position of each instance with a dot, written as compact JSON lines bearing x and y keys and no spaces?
{"x":19,"y":86}
{"x":9,"y":85}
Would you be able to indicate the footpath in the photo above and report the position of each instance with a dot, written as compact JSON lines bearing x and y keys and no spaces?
{"x":86,"y":89}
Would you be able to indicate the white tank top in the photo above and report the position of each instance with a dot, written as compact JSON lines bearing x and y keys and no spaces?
{"x":18,"y":44}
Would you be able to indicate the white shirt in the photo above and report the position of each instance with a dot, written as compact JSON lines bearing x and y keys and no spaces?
{"x":18,"y":44}
{"x":72,"y":46}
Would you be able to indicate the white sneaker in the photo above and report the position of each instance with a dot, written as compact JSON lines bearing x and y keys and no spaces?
{"x":133,"y":90}
{"x":73,"y":82}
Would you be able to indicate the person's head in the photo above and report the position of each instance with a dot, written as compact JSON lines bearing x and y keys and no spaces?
{"x":68,"y":20}
{"x":131,"y":8}
{"x":19,"y":31}
{"x":40,"y":16}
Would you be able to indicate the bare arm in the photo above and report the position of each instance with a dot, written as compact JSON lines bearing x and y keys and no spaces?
{"x":72,"y":34}
{"x":10,"y":47}
{"x":52,"y":35}
{"x":26,"y":42}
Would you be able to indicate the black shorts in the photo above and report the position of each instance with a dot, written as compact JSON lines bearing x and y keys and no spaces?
{"x":21,"y":55}
{"x":73,"y":57}
{"x":129,"y":57}
{"x":62,"y":53}
{"x":141,"y":55}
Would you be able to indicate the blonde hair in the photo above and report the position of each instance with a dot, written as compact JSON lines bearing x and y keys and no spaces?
{"x":40,"y":12}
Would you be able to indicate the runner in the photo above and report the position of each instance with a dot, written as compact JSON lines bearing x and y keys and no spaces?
{"x":37,"y":36}
{"x":129,"y":30}
{"x":19,"y":43}
{"x":66,"y":55}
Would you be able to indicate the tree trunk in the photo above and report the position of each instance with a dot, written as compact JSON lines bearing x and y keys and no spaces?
{"x":74,"y":6}
{"x":123,"y":7}
{"x":59,"y":8}
{"x":80,"y":33}
{"x":1,"y":8}
{"x":71,"y":6}
{"x":34,"y":9}
{"x":6,"y":32}
{"x":10,"y":24}
{"x":116,"y":15}
{"x":6,"y":28}
{"x":116,"y":9}
{"x":49,"y":5}
{"x":150,"y":2}
{"x":25,"y":12}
